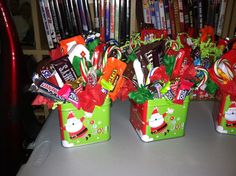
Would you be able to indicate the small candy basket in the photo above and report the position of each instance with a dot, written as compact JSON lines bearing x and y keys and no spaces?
{"x":223,"y":74}
{"x":159,"y":119}
{"x":79,"y":127}
{"x":224,"y":114}
{"x":81,"y":78}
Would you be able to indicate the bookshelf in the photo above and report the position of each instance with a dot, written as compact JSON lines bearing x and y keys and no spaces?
{"x":40,"y":48}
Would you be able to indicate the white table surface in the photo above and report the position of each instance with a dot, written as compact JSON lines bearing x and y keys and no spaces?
{"x":201,"y":152}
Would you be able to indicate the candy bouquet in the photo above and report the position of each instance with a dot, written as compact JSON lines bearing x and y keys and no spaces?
{"x":81,"y":77}
{"x":160,"y":67}
{"x":165,"y":73}
{"x":223,"y":74}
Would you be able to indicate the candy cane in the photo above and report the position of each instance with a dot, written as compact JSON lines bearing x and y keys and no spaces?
{"x":223,"y":70}
{"x":108,"y":51}
{"x":205,"y":77}
{"x":83,"y":69}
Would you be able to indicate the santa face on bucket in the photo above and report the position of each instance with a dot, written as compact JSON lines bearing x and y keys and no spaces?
{"x":75,"y":127}
{"x":230,"y":115}
{"x":156,"y":122}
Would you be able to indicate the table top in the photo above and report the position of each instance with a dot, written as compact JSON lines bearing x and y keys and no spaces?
{"x":201,"y":152}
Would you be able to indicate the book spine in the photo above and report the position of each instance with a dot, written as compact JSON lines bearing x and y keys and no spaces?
{"x":77,"y":17}
{"x":102,"y":20}
{"x":210,"y":14}
{"x":83,"y":16}
{"x":162,"y":14}
{"x":107,"y":20}
{"x":117,"y":21}
{"x":65,"y":22}
{"x":146,"y":12}
{"x":88,"y":15}
{"x":172,"y":18}
{"x":204,"y":12}
{"x":127,"y":20}
{"x":139,"y":13}
{"x":181,"y":15}
{"x":157,"y":14}
{"x":221,"y":17}
{"x":68,"y":17}
{"x":232,"y":28}
{"x":195,"y":15}
{"x":176,"y":13}
{"x":46,"y":26}
{"x":217,"y":13}
{"x":59,"y":17}
{"x":167,"y":16}
{"x":112,"y":19}
{"x":122,"y":21}
{"x":186,"y":15}
{"x":227,"y":19}
{"x":200,"y":14}
{"x":50,"y":21}
{"x":96,"y":15}
{"x":55,"y":20}
{"x":73,"y":18}
{"x":152,"y":12}
{"x":190,"y":11}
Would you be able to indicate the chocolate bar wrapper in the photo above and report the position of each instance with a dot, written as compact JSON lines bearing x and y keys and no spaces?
{"x":47,"y":89}
{"x":64,"y":69}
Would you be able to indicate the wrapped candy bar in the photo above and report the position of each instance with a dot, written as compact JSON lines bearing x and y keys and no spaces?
{"x":112,"y":78}
{"x":64,"y":69}
{"x":67,"y":44}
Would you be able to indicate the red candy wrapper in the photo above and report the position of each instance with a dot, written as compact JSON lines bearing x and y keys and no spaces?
{"x":183,"y":61}
{"x":182,"y":91}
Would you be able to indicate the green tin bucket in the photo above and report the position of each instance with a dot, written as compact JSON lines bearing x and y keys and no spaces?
{"x":159,"y":119}
{"x":79,"y":127}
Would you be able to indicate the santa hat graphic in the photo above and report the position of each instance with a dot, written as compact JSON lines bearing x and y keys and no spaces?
{"x":71,"y":115}
{"x":233,"y":105}
{"x":155,"y":112}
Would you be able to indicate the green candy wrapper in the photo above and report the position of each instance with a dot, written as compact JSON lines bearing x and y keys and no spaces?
{"x":169,"y":62}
